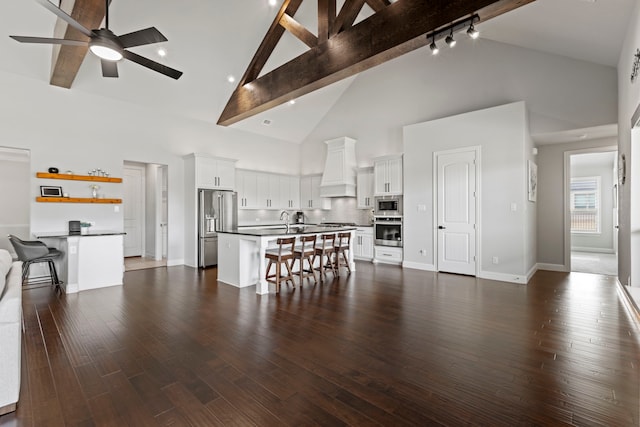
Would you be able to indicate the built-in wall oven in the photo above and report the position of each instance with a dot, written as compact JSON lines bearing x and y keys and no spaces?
{"x":387,"y":231}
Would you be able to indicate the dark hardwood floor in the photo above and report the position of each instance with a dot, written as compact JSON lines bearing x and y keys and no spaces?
{"x":385,"y":346}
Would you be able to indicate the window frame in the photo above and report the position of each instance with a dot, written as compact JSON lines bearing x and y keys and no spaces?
{"x":598,"y":203}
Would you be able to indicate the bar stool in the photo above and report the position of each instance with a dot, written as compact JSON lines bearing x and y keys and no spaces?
{"x":34,"y":252}
{"x":283,"y":254}
{"x":325,"y":250}
{"x":341,"y":248}
{"x":305,"y":251}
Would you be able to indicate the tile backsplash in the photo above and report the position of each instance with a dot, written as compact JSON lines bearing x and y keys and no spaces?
{"x":343,"y":209}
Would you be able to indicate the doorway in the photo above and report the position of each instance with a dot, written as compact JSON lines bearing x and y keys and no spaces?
{"x":145,"y":206}
{"x":592,"y":211}
{"x":15,"y":186}
{"x":456,"y":206}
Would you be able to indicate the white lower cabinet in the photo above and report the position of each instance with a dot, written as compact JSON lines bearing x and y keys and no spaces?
{"x":363,"y":245}
{"x":387,"y":254}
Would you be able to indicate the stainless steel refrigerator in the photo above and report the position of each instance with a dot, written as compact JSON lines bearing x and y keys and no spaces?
{"x":217,"y":211}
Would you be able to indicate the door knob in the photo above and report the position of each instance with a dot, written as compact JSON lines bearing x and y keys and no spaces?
{"x":441,"y":227}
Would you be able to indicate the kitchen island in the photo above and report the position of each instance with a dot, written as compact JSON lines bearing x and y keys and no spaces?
{"x":90,"y":261}
{"x":241,"y":252}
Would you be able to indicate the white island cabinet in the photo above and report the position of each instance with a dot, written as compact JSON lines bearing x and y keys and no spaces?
{"x":241,"y":253}
{"x":89,"y":261}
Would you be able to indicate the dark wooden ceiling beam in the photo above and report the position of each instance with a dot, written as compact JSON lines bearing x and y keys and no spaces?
{"x":67,"y":60}
{"x":347,"y":15}
{"x":392,"y":32}
{"x":295,"y":28}
{"x":326,"y":18}
{"x":378,"y":5}
{"x":274,"y":34}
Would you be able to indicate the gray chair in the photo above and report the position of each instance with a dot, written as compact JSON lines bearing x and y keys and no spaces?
{"x":35,"y":252}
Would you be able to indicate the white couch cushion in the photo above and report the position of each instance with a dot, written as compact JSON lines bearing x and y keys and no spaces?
{"x":5,"y":266}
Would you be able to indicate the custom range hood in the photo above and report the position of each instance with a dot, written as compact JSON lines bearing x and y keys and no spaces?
{"x":339,"y":177}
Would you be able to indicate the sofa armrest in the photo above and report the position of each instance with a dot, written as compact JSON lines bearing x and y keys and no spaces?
{"x":11,"y":299}
{"x":11,"y":337}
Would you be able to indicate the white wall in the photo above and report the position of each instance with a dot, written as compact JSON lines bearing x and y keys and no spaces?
{"x":550,"y":229}
{"x":72,"y":130}
{"x":560,"y":94}
{"x":628,"y":101}
{"x":501,"y":134}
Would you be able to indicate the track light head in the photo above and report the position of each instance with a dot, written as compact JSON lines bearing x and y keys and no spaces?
{"x":472,"y":32}
{"x":450,"y":41}
{"x":434,"y":48}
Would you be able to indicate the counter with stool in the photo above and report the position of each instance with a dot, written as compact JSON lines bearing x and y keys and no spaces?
{"x":242,"y":259}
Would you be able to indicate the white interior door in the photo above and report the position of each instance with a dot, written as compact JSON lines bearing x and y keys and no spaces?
{"x":456,"y":212}
{"x":133,"y":205}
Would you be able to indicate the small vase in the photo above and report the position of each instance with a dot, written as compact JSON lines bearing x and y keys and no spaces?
{"x":94,"y":193}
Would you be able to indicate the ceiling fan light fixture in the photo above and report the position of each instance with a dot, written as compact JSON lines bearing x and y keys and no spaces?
{"x":106,"y":53}
{"x":105,"y":45}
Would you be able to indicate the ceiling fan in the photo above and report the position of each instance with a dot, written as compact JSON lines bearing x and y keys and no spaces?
{"x":106,"y":45}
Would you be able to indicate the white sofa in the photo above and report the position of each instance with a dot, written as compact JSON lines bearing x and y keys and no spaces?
{"x":10,"y":331}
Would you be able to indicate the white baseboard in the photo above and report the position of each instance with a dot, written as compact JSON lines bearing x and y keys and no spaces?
{"x":593,"y":250}
{"x":552,"y":267}
{"x":173,"y":262}
{"x":531,"y":272}
{"x":70,"y":288}
{"x":418,"y":266}
{"x":503,"y":277}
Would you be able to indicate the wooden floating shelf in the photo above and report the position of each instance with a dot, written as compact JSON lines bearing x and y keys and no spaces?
{"x":71,"y":177}
{"x":76,"y":200}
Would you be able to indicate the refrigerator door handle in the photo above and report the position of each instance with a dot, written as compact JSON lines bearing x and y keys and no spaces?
{"x":221,"y":213}
{"x":201,"y":219}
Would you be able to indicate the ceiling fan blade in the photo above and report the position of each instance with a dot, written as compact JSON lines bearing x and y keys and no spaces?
{"x":48,"y":40}
{"x":153,"y":65}
{"x":62,"y":15}
{"x":139,"y":38}
{"x":109,"y":68}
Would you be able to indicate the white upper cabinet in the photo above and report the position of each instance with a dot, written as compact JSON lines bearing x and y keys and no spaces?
{"x":247,"y":184}
{"x":388,"y":175}
{"x":268,"y":191}
{"x":263,"y":190}
{"x":365,"y":188}
{"x":289,"y":192}
{"x":310,"y":193}
{"x":214,"y":172}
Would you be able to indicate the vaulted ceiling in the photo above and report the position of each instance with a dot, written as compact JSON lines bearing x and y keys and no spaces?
{"x":210,"y":41}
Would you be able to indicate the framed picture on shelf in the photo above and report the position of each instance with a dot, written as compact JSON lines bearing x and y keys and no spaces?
{"x":48,"y":191}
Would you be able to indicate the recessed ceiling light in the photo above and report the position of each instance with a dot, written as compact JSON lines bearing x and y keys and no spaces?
{"x":162,"y":52}
{"x":230,"y":78}
{"x":272,"y":2}
{"x":293,"y":101}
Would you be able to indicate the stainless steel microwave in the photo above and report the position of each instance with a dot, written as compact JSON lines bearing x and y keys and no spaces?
{"x":388,"y":206}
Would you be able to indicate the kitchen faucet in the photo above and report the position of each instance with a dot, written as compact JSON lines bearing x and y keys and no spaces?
{"x":286,"y":215}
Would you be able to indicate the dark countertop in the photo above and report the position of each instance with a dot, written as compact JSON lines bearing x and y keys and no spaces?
{"x":293,"y":230}
{"x":64,"y":235}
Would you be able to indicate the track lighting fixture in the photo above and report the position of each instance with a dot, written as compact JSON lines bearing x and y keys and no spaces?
{"x":447,"y":32}
{"x":472,"y":32}
{"x":434,"y":47}
{"x":450,"y":41}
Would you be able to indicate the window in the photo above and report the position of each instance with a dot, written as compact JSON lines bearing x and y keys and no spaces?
{"x":585,"y":205}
